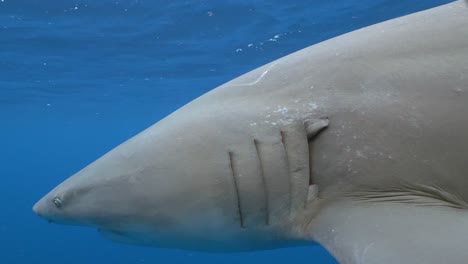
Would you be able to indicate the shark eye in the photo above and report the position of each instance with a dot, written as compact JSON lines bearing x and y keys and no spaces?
{"x":57,"y":202}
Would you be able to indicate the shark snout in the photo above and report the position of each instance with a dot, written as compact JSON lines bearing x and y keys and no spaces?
{"x":43,"y":208}
{"x":39,"y":208}
{"x":36,"y":210}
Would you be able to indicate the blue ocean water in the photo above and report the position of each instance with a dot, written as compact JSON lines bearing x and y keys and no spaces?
{"x":79,"y":77}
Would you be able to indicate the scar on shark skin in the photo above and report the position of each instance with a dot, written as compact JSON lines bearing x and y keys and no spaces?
{"x":256,"y":81}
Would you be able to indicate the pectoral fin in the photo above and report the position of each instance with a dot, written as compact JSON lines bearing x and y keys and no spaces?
{"x":359,"y":233}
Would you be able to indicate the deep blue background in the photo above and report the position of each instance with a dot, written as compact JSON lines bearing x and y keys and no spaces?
{"x":79,"y":77}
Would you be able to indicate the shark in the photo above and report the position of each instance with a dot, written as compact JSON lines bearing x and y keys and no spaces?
{"x":358,"y":143}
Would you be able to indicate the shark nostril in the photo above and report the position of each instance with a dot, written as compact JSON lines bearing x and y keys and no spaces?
{"x":57,"y":202}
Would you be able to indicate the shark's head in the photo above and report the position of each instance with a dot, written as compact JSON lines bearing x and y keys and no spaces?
{"x":173,"y":185}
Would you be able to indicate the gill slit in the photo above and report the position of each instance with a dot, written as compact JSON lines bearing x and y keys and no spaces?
{"x":264,"y":183}
{"x":236,"y":190}
{"x":290,"y":180}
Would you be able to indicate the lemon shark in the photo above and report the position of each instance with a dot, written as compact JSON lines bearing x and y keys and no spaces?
{"x":358,"y":143}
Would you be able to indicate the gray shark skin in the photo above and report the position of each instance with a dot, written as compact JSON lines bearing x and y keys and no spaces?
{"x":358,"y":143}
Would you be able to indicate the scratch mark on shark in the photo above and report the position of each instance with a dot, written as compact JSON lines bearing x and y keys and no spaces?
{"x":258,"y":79}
